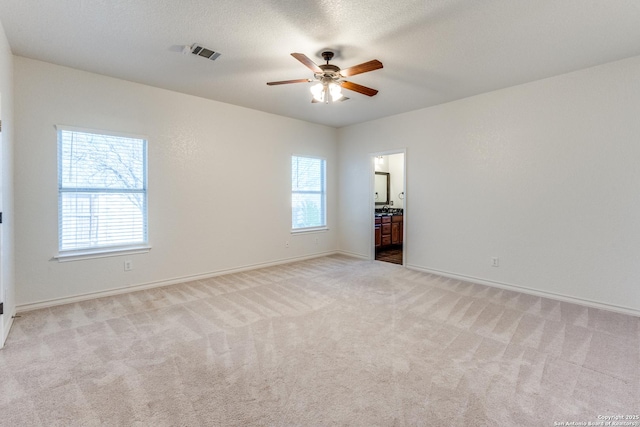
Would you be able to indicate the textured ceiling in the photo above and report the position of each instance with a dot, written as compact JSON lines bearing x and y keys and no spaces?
{"x":433,"y":51}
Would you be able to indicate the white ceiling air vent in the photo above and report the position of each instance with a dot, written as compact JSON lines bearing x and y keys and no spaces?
{"x":196,"y":49}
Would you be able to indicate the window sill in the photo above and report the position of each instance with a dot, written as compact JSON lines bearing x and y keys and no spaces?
{"x":100,"y":253}
{"x":309,"y":230}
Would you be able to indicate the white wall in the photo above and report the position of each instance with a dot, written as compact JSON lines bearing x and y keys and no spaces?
{"x":219,"y":181}
{"x":6,"y":184}
{"x":543,"y":175}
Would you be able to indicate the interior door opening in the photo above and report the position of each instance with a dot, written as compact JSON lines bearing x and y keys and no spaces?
{"x":389,"y":219}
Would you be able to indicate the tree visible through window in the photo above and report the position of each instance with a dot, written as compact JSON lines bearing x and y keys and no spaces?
{"x":102,"y":183}
{"x":308,"y":193}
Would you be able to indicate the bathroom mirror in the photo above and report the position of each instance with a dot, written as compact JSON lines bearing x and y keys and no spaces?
{"x":382,"y":188}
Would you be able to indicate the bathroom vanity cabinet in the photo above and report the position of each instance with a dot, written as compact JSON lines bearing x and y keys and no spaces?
{"x":388,"y":230}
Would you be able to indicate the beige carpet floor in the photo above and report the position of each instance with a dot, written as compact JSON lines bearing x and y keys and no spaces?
{"x":329,"y":341}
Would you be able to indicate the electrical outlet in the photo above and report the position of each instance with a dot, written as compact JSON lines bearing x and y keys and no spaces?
{"x":495,"y":261}
{"x":286,"y":244}
{"x":128,"y":265}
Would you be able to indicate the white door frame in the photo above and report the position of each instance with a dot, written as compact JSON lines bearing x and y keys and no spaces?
{"x":372,"y":206}
{"x":2,"y":291}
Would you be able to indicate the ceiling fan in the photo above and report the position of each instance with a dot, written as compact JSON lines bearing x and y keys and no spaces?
{"x":330,"y":78}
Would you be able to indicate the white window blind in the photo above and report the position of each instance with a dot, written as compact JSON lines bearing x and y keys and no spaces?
{"x":102,"y":197}
{"x":308,"y":193}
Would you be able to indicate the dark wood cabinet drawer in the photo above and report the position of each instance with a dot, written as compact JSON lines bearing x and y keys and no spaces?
{"x":386,"y":229}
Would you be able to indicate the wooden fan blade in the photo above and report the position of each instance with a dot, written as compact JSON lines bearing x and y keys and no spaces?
{"x":358,"y":88}
{"x":307,"y":62}
{"x":362,"y":68}
{"x":286,"y":82}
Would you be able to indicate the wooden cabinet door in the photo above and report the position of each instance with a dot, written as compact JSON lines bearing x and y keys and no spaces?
{"x":395,"y":233}
{"x":397,"y":229}
{"x":378,"y":236}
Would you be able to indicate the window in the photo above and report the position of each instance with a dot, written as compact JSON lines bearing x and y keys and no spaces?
{"x":102,"y":191}
{"x":308,"y":193}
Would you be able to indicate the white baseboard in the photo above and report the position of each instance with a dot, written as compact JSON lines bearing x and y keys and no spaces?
{"x":353,"y":254}
{"x":535,"y":292}
{"x":7,"y":328}
{"x":21,"y":308}
{"x":150,"y":285}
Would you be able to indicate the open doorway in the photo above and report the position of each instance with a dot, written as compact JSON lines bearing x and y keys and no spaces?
{"x":389,"y":219}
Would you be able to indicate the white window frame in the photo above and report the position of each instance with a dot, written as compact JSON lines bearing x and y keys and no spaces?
{"x":102,"y":251}
{"x":323,"y":194}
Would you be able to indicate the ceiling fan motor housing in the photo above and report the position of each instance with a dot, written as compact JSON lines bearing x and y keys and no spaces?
{"x":327,"y":55}
{"x":328,"y":70}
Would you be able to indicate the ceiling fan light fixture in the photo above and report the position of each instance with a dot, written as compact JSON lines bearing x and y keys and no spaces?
{"x":335,"y":91}
{"x":318,"y":92}
{"x":322,"y":91}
